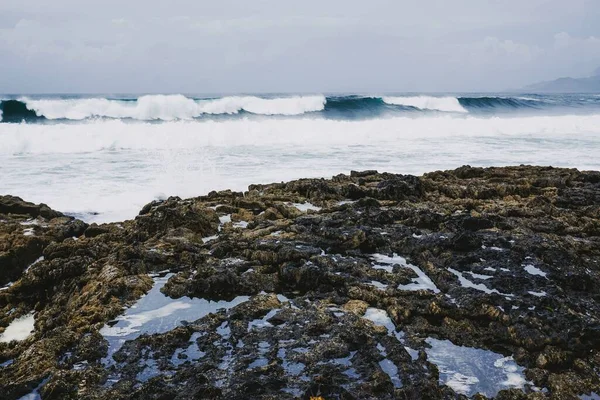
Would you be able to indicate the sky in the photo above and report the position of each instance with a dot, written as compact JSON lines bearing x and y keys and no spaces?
{"x":308,"y":46}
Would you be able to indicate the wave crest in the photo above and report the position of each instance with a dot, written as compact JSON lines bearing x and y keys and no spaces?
{"x":447,"y":104}
{"x":339,"y":107}
{"x":171,"y":107}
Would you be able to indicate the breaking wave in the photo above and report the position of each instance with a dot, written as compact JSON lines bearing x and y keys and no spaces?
{"x":114,"y":136}
{"x":179,"y":107}
{"x":156,"y":107}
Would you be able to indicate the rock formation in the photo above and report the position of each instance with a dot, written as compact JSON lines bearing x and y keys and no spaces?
{"x":367,"y":286}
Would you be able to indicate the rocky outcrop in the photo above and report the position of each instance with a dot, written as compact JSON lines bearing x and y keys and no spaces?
{"x":336,"y":288}
{"x":26,"y":231}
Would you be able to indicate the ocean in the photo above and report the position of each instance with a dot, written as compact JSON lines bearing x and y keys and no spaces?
{"x":101,"y":158}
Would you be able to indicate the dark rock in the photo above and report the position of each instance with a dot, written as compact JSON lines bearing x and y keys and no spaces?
{"x":16,"y":205}
{"x":501,"y":259}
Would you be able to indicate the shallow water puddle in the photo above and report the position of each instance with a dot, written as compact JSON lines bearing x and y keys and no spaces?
{"x":381,"y":318}
{"x":209,"y":238}
{"x":157,"y":313}
{"x":290,"y":368}
{"x":35,"y":394}
{"x":6,"y":363}
{"x":468,"y":370}
{"x":533,"y":270}
{"x":480,"y":276}
{"x":39,"y":259}
{"x":32,"y":221}
{"x":464,"y":282}
{"x":261,"y":361}
{"x":345,"y":361}
{"x":590,"y":396}
{"x":19,"y":329}
{"x":225,"y":219}
{"x":389,"y":367}
{"x":421,"y":282}
{"x":150,"y":370}
{"x":264,"y":321}
{"x":378,"y":285}
{"x":537,"y":294}
{"x":192,"y":352}
{"x":304,"y":207}
{"x":391,"y":370}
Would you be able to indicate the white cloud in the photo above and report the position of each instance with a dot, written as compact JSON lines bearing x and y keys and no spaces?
{"x":517,"y":51}
{"x":270,"y":45}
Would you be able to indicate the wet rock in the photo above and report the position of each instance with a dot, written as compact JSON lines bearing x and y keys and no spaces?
{"x":16,"y":205}
{"x":331,"y":288}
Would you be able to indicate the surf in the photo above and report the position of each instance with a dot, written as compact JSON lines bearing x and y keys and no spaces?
{"x":165,"y":108}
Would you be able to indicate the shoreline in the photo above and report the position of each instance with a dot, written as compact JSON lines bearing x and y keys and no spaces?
{"x":357,"y":286}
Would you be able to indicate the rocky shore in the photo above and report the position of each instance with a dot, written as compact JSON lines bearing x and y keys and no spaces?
{"x":466,"y":283}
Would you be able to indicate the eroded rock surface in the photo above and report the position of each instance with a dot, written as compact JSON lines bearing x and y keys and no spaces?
{"x":472,"y":282}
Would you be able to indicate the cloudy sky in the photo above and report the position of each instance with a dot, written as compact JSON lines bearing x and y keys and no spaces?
{"x":235,"y":46}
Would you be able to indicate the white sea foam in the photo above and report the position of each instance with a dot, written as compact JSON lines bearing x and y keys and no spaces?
{"x":125,"y":165}
{"x":118,"y":135}
{"x":448,"y":104}
{"x":171,"y":107}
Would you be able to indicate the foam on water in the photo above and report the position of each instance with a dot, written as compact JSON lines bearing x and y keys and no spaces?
{"x":171,"y":107}
{"x":19,"y":329}
{"x":469,"y":370}
{"x":126,"y":165}
{"x":157,"y":313}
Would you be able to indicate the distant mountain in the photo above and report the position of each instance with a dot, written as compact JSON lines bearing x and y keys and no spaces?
{"x":567,"y":85}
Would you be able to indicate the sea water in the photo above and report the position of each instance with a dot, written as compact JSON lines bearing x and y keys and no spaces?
{"x":102,"y":159}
